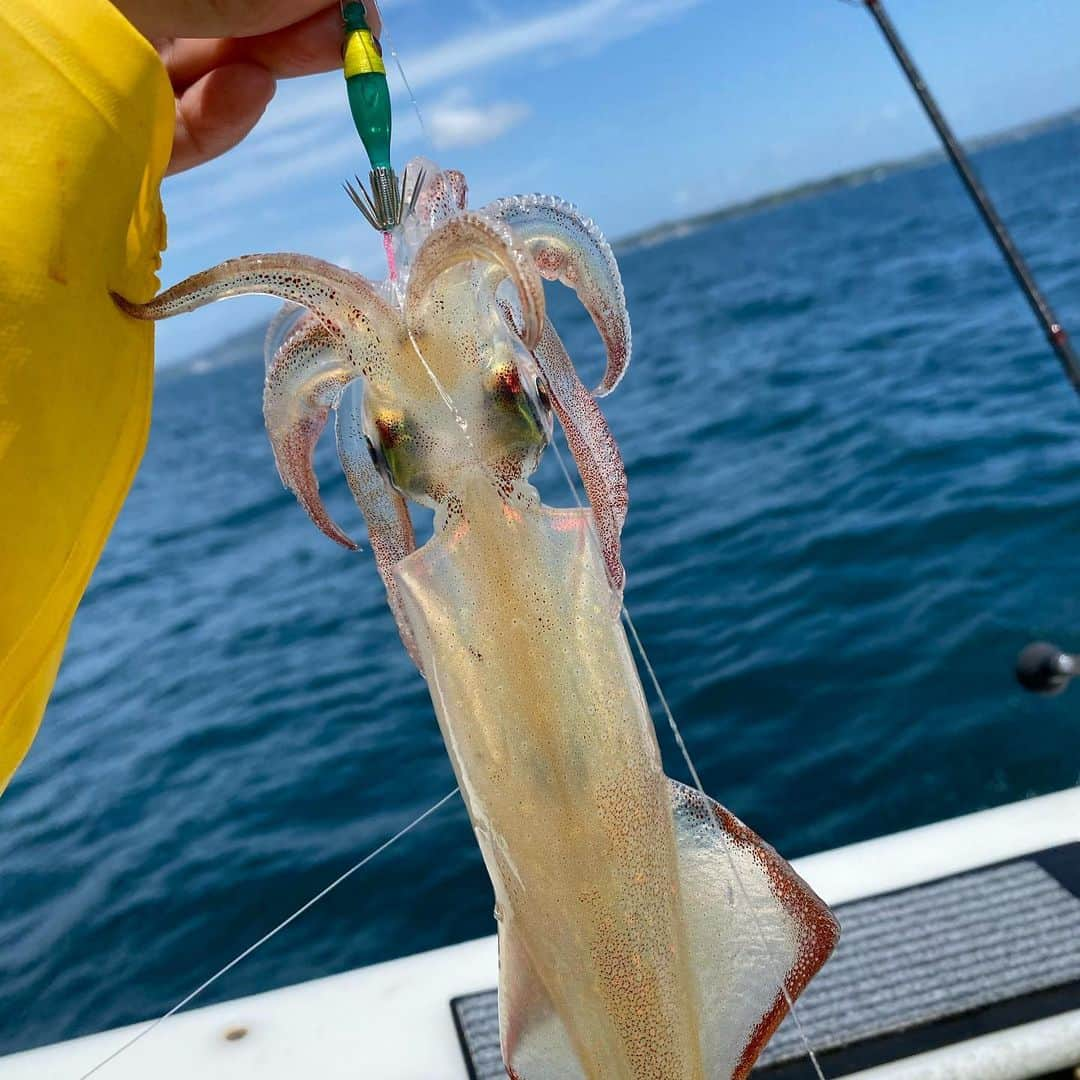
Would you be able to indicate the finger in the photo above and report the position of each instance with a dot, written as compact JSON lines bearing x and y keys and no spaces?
{"x":374,"y":16}
{"x":219,"y":19}
{"x":227,"y":18}
{"x":306,"y":48}
{"x":217,"y":111}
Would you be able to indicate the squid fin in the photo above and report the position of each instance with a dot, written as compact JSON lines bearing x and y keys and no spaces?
{"x":752,"y":924}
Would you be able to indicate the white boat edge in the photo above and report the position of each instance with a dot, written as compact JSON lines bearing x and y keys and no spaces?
{"x":392,"y":1021}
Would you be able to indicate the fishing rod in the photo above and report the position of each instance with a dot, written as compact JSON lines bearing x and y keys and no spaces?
{"x":1052,"y":328}
{"x":1041,"y":667}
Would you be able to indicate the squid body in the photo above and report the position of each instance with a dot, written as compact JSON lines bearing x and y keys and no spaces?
{"x":644,"y":932}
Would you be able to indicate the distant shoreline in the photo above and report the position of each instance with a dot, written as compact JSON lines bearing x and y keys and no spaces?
{"x":237,"y":347}
{"x":656,"y":234}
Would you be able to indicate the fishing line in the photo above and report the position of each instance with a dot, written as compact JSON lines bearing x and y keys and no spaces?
{"x":408,"y":85}
{"x":727,"y":846}
{"x":342,"y":878}
{"x":653,"y":678}
{"x":272,"y":933}
{"x":681,"y":743}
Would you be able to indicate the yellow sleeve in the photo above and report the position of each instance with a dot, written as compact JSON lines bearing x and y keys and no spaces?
{"x":85,"y":138}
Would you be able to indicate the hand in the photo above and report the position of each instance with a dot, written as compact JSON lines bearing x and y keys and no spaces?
{"x":224,"y":58}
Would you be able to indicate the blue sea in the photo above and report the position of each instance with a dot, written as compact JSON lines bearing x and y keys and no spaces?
{"x":855,"y":495}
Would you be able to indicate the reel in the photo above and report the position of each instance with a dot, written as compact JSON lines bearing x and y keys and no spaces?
{"x":1044,"y":668}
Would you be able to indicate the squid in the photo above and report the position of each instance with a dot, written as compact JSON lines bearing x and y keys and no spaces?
{"x":644,"y":932}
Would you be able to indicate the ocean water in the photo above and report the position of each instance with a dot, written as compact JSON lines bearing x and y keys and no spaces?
{"x":855,"y":494}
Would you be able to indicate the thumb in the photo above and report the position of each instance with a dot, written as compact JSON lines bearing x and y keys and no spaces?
{"x":217,"y":111}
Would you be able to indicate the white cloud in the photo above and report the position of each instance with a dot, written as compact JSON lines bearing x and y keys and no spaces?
{"x":306,"y":132}
{"x":258,"y":166}
{"x":588,"y":25}
{"x":457,"y":121}
{"x":583,"y":27}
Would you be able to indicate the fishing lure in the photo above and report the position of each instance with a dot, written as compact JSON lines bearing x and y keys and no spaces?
{"x":644,"y":932}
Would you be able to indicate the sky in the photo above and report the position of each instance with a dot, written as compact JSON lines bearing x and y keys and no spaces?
{"x":638,"y":111}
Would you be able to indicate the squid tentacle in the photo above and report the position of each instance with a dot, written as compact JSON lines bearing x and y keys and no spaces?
{"x":444,"y":193}
{"x":568,"y":247}
{"x":595,"y":451}
{"x":390,"y":529}
{"x":341,"y":300}
{"x":290,"y":319}
{"x":594,"y":448}
{"x":304,"y":381}
{"x":472,"y":236}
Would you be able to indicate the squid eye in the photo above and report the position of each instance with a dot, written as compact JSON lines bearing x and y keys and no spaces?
{"x":386,"y":440}
{"x":398,"y":456}
{"x":376,"y":457}
{"x":543,"y":392}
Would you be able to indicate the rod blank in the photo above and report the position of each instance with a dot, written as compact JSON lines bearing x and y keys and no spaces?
{"x":1052,"y":328}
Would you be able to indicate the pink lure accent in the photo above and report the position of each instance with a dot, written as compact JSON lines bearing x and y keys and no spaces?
{"x":388,"y":247}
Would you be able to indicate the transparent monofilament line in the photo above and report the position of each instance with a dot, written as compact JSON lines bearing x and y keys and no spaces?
{"x":781,"y":982}
{"x":240,"y":957}
{"x":429,"y":177}
{"x":684,"y":750}
{"x":340,"y":879}
{"x":405,"y":80}
{"x":662,"y":697}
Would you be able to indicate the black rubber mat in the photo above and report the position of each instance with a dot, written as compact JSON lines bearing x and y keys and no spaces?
{"x":915,"y":970}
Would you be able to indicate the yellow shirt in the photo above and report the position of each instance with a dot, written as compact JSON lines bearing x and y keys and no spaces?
{"x":86,"y":135}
